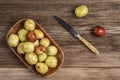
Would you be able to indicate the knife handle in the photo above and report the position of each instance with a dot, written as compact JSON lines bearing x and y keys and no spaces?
{"x":89,"y":45}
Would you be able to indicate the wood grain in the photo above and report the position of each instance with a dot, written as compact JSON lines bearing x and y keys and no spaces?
{"x":78,"y":58}
{"x":64,"y":74}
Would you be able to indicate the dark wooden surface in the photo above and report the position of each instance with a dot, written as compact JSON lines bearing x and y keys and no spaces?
{"x":80,"y":63}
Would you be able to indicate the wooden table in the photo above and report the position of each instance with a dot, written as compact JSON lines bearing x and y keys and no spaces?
{"x":80,"y":63}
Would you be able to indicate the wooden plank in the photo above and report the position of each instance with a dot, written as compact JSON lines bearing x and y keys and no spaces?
{"x":73,"y":60}
{"x":103,"y":12}
{"x":80,"y":63}
{"x":62,"y":74}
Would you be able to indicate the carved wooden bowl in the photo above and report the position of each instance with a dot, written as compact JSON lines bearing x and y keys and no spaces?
{"x":60,"y":55}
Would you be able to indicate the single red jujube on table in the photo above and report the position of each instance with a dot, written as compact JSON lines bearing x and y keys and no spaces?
{"x":99,"y":31}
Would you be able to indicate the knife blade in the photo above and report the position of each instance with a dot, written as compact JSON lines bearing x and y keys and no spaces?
{"x":66,"y":26}
{"x":75,"y":34}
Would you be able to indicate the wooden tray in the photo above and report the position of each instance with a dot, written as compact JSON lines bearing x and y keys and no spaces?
{"x":60,"y":55}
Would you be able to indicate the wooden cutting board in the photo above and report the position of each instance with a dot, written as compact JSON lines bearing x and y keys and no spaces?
{"x":80,"y":63}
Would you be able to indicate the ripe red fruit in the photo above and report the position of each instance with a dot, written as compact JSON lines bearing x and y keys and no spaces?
{"x":42,"y":48}
{"x":99,"y":31}
{"x":31,"y":36}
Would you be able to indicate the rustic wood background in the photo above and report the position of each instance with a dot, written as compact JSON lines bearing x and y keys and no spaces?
{"x":80,"y":63}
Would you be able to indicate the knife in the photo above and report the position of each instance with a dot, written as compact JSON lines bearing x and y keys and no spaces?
{"x":75,"y":34}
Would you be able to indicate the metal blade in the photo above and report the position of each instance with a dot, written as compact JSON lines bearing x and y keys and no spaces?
{"x":66,"y":26}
